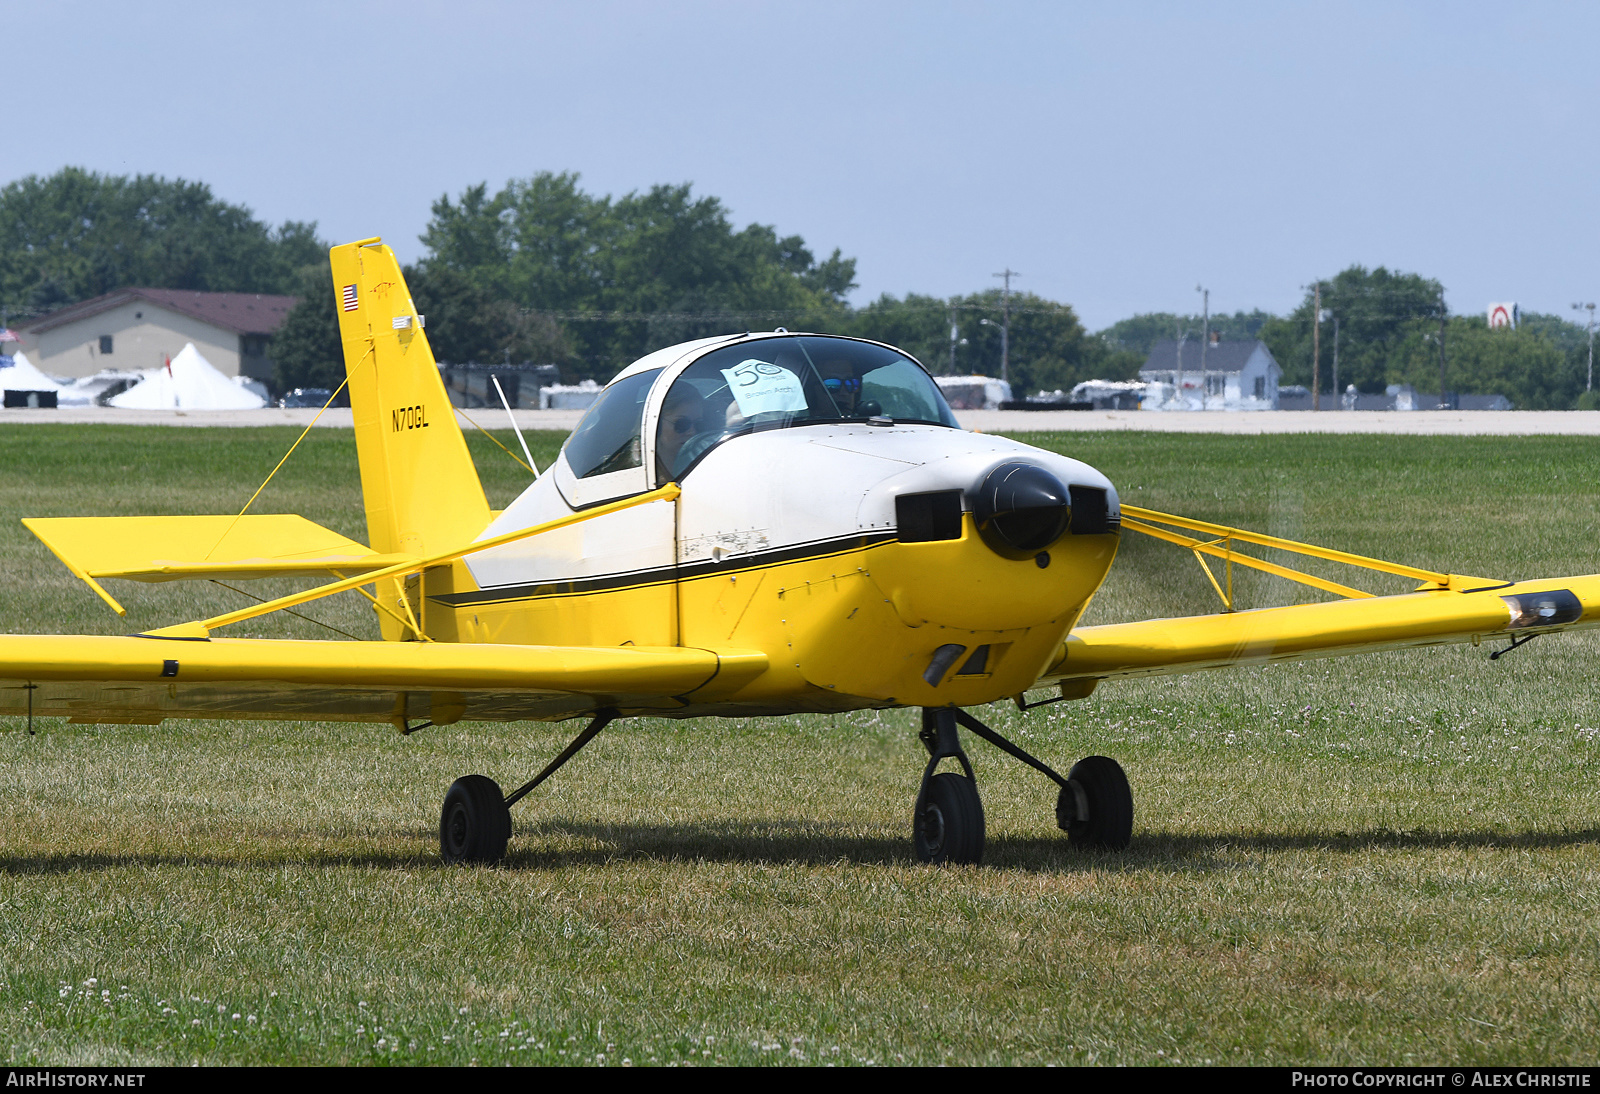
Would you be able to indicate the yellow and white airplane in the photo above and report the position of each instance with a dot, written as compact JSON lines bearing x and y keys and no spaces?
{"x":760,"y":524}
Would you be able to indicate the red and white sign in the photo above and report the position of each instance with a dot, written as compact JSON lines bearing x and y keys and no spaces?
{"x":1504,"y":315}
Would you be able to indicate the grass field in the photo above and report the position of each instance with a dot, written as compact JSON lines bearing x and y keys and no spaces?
{"x":1387,"y":859}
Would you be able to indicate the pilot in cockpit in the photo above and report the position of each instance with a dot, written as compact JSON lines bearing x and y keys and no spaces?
{"x":839,"y":378}
{"x":682,"y":419}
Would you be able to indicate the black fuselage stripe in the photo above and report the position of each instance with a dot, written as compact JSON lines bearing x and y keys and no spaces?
{"x":664,"y":574}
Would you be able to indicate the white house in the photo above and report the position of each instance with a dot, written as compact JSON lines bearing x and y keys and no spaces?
{"x":1235,"y":376}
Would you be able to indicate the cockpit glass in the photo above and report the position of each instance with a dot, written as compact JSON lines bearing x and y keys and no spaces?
{"x":607,"y":437}
{"x":779,"y":383}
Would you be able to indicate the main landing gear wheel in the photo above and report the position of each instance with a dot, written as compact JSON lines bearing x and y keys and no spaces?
{"x":475,"y":825}
{"x":948,"y":826}
{"x":1096,"y":806}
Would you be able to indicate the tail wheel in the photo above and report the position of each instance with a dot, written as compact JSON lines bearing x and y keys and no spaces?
{"x":948,"y":826}
{"x":1096,"y":805}
{"x":475,"y":825}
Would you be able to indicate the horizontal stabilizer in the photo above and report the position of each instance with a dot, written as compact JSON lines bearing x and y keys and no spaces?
{"x":175,"y":548}
{"x":136,"y":680}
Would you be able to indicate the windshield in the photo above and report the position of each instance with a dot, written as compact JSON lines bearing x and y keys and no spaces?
{"x":777,"y":383}
{"x":607,"y":437}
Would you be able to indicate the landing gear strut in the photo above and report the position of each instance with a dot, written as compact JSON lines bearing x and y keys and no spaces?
{"x":1094,"y":807}
{"x":947,"y":824}
{"x":475,"y":825}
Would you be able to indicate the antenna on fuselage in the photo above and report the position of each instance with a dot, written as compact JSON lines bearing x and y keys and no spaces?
{"x":507,"y":404}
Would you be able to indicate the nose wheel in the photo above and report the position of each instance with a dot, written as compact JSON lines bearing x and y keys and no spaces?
{"x":1094,"y":807}
{"x":947,"y":823}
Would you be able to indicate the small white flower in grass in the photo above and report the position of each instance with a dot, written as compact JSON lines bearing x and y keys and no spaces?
{"x":236,"y":1016}
{"x":382,"y":1041}
{"x":196,"y":1022}
{"x":627,"y":1062}
{"x":251,"y":1019}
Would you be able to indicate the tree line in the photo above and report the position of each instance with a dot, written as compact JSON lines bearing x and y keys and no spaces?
{"x":543,"y":271}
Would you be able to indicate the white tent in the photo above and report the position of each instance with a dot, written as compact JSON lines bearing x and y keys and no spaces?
{"x":18,"y":374}
{"x":190,"y":382}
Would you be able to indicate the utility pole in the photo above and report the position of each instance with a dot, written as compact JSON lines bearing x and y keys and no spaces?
{"x":1005,"y":329}
{"x":954,"y":333}
{"x":1177,"y":376}
{"x":1338,"y":398}
{"x":1589,"y":385}
{"x":1444,"y":399}
{"x":1205,"y":335}
{"x":1316,"y":349}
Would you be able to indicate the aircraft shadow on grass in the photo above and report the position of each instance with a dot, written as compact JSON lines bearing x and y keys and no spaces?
{"x":809,"y":844}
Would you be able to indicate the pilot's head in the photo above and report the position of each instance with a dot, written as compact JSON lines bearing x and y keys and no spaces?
{"x":681,"y":418}
{"x":839,"y":377}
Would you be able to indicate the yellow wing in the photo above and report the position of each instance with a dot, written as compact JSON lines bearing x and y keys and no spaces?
{"x":1446,"y":608}
{"x":137,"y":680}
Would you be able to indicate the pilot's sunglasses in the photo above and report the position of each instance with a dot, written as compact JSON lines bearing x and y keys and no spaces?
{"x":836,"y":384}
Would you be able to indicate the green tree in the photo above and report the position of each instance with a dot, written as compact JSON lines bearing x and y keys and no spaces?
{"x":77,"y":234}
{"x":1139,"y":333}
{"x":1382,"y":316}
{"x":464,"y":324}
{"x":918,"y":324}
{"x":623,"y":276}
{"x":306,"y":351}
{"x":1524,"y":365}
{"x":1049,"y":349}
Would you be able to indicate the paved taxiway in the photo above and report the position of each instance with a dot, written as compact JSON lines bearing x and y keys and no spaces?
{"x":1460,"y":423}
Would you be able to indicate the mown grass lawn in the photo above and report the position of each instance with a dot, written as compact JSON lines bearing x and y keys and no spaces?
{"x":1387,"y":859}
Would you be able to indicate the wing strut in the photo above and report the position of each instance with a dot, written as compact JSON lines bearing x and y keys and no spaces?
{"x":602,"y":719}
{"x":1219,"y":543}
{"x":202,"y":629}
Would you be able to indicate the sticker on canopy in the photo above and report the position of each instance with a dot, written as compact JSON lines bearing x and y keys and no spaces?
{"x":763,"y":388}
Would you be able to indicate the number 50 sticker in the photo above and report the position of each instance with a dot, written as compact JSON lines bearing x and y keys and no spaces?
{"x":760,"y":387}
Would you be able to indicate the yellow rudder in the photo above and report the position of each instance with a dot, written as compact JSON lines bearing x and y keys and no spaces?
{"x":420,"y":487}
{"x":418,"y":482}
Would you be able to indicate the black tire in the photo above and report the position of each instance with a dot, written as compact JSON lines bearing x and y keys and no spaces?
{"x":948,"y":826}
{"x":475,"y":824}
{"x":1109,"y":826}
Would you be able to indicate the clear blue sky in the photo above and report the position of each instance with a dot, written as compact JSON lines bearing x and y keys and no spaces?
{"x":1116,"y":154}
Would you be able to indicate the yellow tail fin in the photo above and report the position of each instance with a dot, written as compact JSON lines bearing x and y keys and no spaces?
{"x":420,"y":487}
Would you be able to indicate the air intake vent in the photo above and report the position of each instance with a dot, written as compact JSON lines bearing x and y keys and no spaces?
{"x":1089,"y":516}
{"x":926,"y":517}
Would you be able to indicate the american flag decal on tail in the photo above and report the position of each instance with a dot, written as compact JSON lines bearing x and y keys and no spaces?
{"x":349,"y":295}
